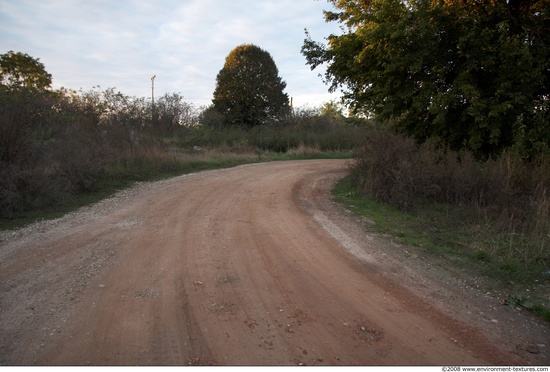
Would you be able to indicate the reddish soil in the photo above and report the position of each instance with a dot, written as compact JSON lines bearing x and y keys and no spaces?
{"x":253,"y":265}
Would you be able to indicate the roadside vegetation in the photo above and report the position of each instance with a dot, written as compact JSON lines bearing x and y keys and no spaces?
{"x":490,"y":218}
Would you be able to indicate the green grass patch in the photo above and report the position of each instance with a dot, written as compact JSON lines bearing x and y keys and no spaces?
{"x":421,"y":230}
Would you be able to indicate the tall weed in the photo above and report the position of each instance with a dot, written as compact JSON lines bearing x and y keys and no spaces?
{"x":506,"y":196}
{"x":273,"y":138}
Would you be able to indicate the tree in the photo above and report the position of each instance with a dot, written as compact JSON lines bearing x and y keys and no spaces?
{"x":334,"y":111}
{"x":25,"y":104}
{"x":249,"y":91}
{"x":21,"y":70}
{"x":472,"y":74}
{"x":174,"y":113}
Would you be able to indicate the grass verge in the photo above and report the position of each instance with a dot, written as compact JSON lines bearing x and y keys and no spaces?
{"x":449,"y":232}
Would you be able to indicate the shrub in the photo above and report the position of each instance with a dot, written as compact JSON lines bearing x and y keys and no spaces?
{"x":394,"y":169}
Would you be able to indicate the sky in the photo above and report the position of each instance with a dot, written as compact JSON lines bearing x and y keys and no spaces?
{"x":121,"y":44}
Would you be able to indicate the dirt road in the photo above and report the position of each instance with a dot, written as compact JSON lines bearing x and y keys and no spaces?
{"x":253,"y":265}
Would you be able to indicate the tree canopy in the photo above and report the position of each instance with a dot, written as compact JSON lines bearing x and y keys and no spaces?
{"x":21,"y":70}
{"x":471,"y":74}
{"x":249,"y":90}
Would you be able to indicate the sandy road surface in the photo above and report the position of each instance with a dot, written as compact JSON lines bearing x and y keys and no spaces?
{"x":248,"y":266}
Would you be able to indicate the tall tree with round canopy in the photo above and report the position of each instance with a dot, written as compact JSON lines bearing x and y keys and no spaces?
{"x":249,"y":91}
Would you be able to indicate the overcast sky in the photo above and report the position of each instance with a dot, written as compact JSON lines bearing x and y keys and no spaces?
{"x":123,"y":43}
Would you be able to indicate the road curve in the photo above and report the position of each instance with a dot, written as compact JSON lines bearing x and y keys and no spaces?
{"x":244,"y":266}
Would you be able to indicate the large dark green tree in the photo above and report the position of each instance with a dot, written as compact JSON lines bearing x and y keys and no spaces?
{"x":19,"y":70}
{"x":249,"y":91}
{"x":470,"y":73}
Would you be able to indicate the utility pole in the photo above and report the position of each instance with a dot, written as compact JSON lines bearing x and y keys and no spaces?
{"x":153,"y":97}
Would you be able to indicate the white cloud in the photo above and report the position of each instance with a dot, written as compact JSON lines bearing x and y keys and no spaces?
{"x":123,"y":43}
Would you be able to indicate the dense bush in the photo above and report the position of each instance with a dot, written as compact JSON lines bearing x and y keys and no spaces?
{"x":48,"y":153}
{"x":505,"y":194}
{"x":56,"y":144}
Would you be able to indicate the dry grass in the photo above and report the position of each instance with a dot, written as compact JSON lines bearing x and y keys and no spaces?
{"x":303,"y":150}
{"x":502,"y":203}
